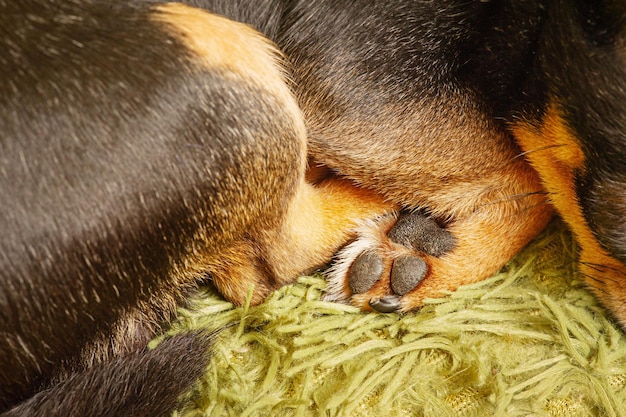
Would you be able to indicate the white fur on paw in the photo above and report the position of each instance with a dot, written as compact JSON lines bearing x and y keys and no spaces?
{"x":371,"y":234}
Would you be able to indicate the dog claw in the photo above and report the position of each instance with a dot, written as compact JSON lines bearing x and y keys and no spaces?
{"x":387,"y":304}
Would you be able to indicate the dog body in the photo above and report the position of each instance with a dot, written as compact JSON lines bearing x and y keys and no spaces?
{"x":148,"y":146}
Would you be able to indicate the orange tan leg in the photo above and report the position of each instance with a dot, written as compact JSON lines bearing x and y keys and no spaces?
{"x":384,"y":270}
{"x":555,"y":152}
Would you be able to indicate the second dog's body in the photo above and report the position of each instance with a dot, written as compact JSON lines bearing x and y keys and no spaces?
{"x":148,"y":146}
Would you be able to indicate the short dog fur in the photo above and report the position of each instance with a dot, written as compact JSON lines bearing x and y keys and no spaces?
{"x":146,"y":147}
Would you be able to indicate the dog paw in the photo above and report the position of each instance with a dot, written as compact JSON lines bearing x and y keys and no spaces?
{"x":390,"y":258}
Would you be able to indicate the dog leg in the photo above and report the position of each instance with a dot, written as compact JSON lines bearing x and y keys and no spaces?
{"x":396,"y":263}
{"x":555,"y":151}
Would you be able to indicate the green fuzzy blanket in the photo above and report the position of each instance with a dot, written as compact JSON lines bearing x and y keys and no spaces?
{"x":530,"y":341}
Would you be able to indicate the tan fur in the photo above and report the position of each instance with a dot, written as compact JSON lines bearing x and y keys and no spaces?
{"x":221,"y":44}
{"x":441,"y":154}
{"x":318,"y":221}
{"x":485,"y":241}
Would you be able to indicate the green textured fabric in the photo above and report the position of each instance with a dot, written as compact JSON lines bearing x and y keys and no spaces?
{"x":530,"y":341}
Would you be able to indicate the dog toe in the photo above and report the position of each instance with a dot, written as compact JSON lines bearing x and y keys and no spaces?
{"x":407,"y":273}
{"x":365,"y":272}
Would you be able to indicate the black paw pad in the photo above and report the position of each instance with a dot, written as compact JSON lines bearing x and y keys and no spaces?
{"x":387,"y":304}
{"x":416,"y":230}
{"x":365,"y":272}
{"x":406,"y":273}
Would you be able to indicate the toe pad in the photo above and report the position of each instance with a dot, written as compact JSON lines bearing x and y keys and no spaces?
{"x":407,"y":273}
{"x":420,"y":232}
{"x":365,"y":272}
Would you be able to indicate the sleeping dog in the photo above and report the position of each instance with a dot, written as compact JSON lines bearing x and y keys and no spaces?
{"x":147,"y":147}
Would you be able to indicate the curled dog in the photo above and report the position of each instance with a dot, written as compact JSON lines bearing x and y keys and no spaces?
{"x":146,"y":147}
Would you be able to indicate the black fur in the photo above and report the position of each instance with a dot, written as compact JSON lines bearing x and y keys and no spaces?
{"x":143,"y":383}
{"x":111,"y":139}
